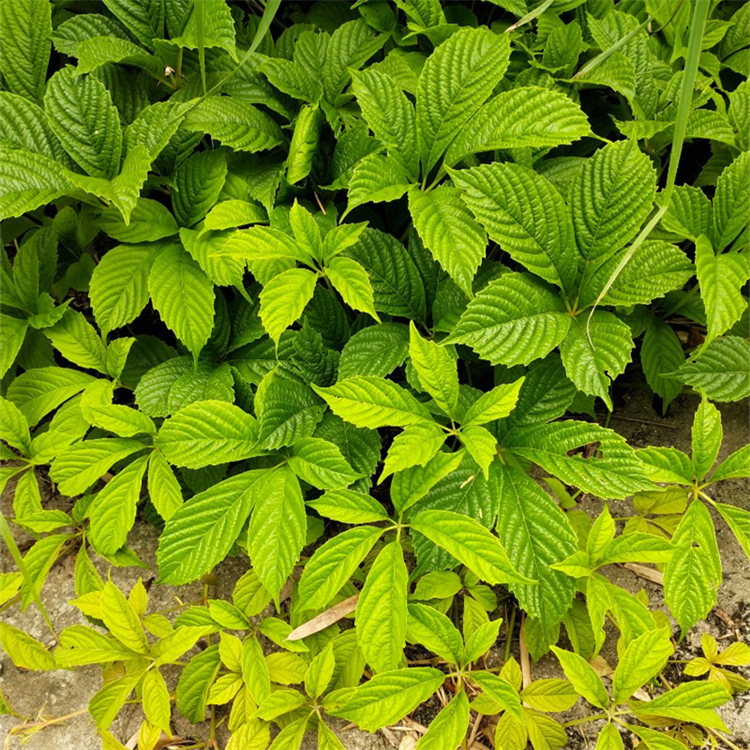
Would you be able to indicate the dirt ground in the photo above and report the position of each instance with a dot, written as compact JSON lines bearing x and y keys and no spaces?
{"x":33,"y":695}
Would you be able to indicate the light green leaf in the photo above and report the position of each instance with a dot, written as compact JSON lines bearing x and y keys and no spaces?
{"x":661,"y":353}
{"x":121,"y":619}
{"x":320,"y":463}
{"x":609,"y":738}
{"x":731,"y":202}
{"x":25,"y":44}
{"x":376,"y":179}
{"x":526,"y":117}
{"x":284,"y":298}
{"x":149,"y":221}
{"x":495,"y":404}
{"x":195,"y":682}
{"x":163,"y":487}
{"x":351,"y":281}
{"x":524,"y":213}
{"x":207,"y":433}
{"x":595,"y":352}
{"x":82,"y":116}
{"x":77,"y":340}
{"x":644,"y":658}
{"x":333,"y":564}
{"x":184,"y":297}
{"x":375,"y":350}
{"x":106,"y":703}
{"x":721,"y":278}
{"x":320,"y":672}
{"x":737,"y":465}
{"x":348,"y":506}
{"x":25,"y":126}
{"x":434,"y":630}
{"x":369,"y":401}
{"x":470,"y":543}
{"x":456,"y":80}
{"x":29,"y":180}
{"x":202,"y":530}
{"x":513,"y":320}
{"x":14,"y":428}
{"x":550,"y":695}
{"x":277,"y":528}
{"x":707,"y":437}
{"x":415,"y":446}
{"x":381,"y":610}
{"x":436,"y":369}
{"x":234,"y":123}
{"x":448,"y":230}
{"x":156,"y":703}
{"x":585,"y":680}
{"x":689,"y":213}
{"x":24,"y":651}
{"x":232,"y":213}
{"x":214,"y":27}
{"x":304,"y":144}
{"x":500,"y":691}
{"x":690,"y":701}
{"x":13,"y":333}
{"x":481,"y":445}
{"x":410,"y":486}
{"x":448,"y":729}
{"x":386,"y":698}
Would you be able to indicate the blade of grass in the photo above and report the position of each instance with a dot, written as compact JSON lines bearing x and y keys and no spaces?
{"x":530,"y":16}
{"x":700,"y":13}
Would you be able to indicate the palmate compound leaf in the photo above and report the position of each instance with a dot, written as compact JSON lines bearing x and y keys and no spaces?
{"x":615,"y":473}
{"x":722,"y":371}
{"x":202,"y":531}
{"x":470,"y":543}
{"x":595,"y":352}
{"x":721,"y":278}
{"x":82,"y":116}
{"x":609,"y":201}
{"x":520,"y":118}
{"x":536,"y":534}
{"x":372,"y":402}
{"x":208,"y":433}
{"x":381,"y":610}
{"x":448,"y":230}
{"x":514,"y":320}
{"x":524,"y":213}
{"x":386,"y":698}
{"x":456,"y":80}
{"x":183,"y":296}
{"x":277,"y":528}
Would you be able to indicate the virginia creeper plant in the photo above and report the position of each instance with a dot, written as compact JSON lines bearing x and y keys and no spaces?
{"x":331,"y":288}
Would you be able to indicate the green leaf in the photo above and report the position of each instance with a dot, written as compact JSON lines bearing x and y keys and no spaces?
{"x":526,"y":117}
{"x":434,"y":630}
{"x":119,"y":285}
{"x":609,"y":738}
{"x":513,"y":320}
{"x":13,"y":426}
{"x":122,"y":620}
{"x":481,"y":445}
{"x":690,"y":701}
{"x":39,"y":391}
{"x":495,"y":404}
{"x":536,"y":534}
{"x":320,"y":672}
{"x":738,"y":520}
{"x":149,"y":221}
{"x":333,"y":564}
{"x":386,"y":698}
{"x":351,"y":281}
{"x":197,"y":184}
{"x":280,"y":702}
{"x":436,"y":370}
{"x":24,"y":651}
{"x":112,"y":512}
{"x":500,"y":691}
{"x":737,"y":465}
{"x":348,"y":506}
{"x":207,"y":433}
{"x":456,"y":80}
{"x":707,"y":437}
{"x":448,"y":729}
{"x":201,"y":531}
{"x":163,"y":487}
{"x":81,"y":645}
{"x":723,"y":370}
{"x":25,"y":44}
{"x":25,"y":126}
{"x":615,"y":472}
{"x":277,"y":528}
{"x":77,"y":340}
{"x":381,"y":610}
{"x":284,"y":298}
{"x":82,"y":116}
{"x":550,"y":695}
{"x":390,"y":115}
{"x":304,"y":144}
{"x":415,"y":446}
{"x":693,"y":574}
{"x":369,"y":401}
{"x":234,"y":123}
{"x":595,"y":351}
{"x":644,"y":658}
{"x":320,"y":463}
{"x":376,"y":179}
{"x":143,"y":18}
{"x":470,"y":543}
{"x":232,"y":213}
{"x":183,"y":296}
{"x":108,"y":700}
{"x":524,"y":213}
{"x":195,"y":682}
{"x":29,"y":180}
{"x":96,"y":51}
{"x":156,"y":702}
{"x":661,"y":353}
{"x":410,"y":486}
{"x":721,"y":278}
{"x":731,"y":202}
{"x":585,"y":680}
{"x":609,"y":200}
{"x":14,"y":333}
{"x":448,"y":230}
{"x":263,"y":243}
{"x":375,"y":350}
{"x":689,"y":213}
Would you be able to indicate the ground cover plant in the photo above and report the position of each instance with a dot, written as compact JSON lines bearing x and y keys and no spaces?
{"x":338,"y":289}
